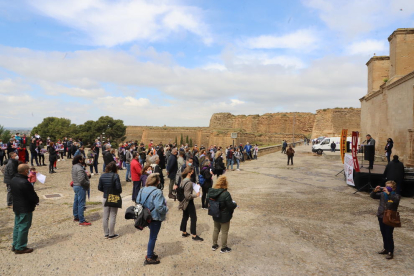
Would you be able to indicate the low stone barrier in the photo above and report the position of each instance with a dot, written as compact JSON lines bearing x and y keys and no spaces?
{"x":275,"y":148}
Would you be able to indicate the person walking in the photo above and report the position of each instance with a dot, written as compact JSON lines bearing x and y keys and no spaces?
{"x":152,"y":198}
{"x":136,"y":172}
{"x":25,"y":200}
{"x":81,"y":184}
{"x":290,"y":152}
{"x":222,"y":223}
{"x":172,"y":168}
{"x":284,"y":146}
{"x":52,"y":157}
{"x":388,"y":149}
{"x":187,"y":205}
{"x":208,"y":183}
{"x":9,"y":173}
{"x":389,"y":200}
{"x":108,"y":180}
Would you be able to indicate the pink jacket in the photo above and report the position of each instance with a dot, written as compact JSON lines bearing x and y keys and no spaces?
{"x":32,"y":177}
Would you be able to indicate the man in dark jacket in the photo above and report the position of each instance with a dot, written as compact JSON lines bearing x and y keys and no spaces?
{"x":69,"y":145}
{"x":24,"y":203}
{"x":333,"y":146}
{"x":395,"y":171}
{"x":33,"y":152}
{"x":9,"y":173}
{"x":172,"y":167}
{"x":107,"y":156}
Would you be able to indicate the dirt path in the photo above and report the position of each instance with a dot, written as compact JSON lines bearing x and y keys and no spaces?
{"x":299,"y":220}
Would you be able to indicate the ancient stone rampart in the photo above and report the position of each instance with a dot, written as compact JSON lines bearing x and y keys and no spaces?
{"x":330,"y":122}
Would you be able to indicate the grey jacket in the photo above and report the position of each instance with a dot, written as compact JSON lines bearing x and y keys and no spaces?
{"x":10,"y":171}
{"x":128,"y":157}
{"x":79,"y":176}
{"x":188,"y":193}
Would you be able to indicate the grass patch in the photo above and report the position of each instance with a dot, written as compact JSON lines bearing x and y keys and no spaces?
{"x":93,"y":203}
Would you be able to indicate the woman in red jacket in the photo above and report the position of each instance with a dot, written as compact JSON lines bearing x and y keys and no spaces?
{"x":136,"y":172}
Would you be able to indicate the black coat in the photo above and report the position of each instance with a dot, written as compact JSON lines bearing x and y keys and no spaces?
{"x":52,"y":155}
{"x":219,"y":165}
{"x":172,"y":166}
{"x":11,"y":170}
{"x":395,"y":171}
{"x":388,"y":147}
{"x":107,"y":157}
{"x":24,"y":195}
{"x":205,"y":172}
{"x":161,"y":155}
{"x":105,"y":183}
{"x":33,"y":148}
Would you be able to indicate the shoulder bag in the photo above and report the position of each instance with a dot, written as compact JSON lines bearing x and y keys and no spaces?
{"x":391,"y":218}
{"x":114,"y":198}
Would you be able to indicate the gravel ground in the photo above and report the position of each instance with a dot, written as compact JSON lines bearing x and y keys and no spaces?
{"x":291,"y":220}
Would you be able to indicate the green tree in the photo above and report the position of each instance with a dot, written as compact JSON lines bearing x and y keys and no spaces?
{"x":55,"y":128}
{"x":191,"y":143}
{"x":186,"y":139}
{"x":113,"y":129}
{"x":182,"y":139}
{"x":5,"y":134}
{"x":87,"y":132}
{"x":176,"y":140}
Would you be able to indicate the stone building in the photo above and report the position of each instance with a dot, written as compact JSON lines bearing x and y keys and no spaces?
{"x":387,"y":108}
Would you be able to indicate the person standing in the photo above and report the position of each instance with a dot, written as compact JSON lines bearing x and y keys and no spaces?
{"x":230,"y":158}
{"x":156,"y":168}
{"x":208,"y":183}
{"x":107,"y":156}
{"x":24,"y":203}
{"x":69,"y":148}
{"x":2,"y":152}
{"x":284,"y":146}
{"x":92,"y":160}
{"x":81,"y":184}
{"x":153,"y":199}
{"x":219,"y":165}
{"x":248,"y":149}
{"x":255,"y":151}
{"x":136,"y":172}
{"x":187,"y":205}
{"x":333,"y":146}
{"x":128,"y":159}
{"x":33,"y":152}
{"x":238,"y":157}
{"x":52,"y":157}
{"x":9,"y":173}
{"x":371,"y":142}
{"x":40,"y":153}
{"x":108,"y":180}
{"x":388,"y":149}
{"x":395,"y":171}
{"x":290,"y":152}
{"x":389,"y":200}
{"x":227,"y":205}
{"x":172,"y":167}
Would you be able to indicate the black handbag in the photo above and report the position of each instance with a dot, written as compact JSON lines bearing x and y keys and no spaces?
{"x":114,"y":198}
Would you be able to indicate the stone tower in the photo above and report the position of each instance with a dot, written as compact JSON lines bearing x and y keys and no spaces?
{"x":401,"y":53}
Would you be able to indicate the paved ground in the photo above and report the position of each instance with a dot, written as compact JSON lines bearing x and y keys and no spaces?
{"x":292,"y":220}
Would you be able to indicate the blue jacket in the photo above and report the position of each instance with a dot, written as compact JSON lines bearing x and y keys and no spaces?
{"x":155,"y":202}
{"x":105,"y":182}
{"x":247,"y":148}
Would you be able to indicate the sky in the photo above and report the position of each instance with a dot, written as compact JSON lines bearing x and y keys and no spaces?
{"x":177,"y":62}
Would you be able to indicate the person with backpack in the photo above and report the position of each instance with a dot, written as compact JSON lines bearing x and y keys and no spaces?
{"x":153,"y":199}
{"x":290,"y":152}
{"x":207,"y":175}
{"x":222,"y":212}
{"x":108,"y":180}
{"x":186,"y":197}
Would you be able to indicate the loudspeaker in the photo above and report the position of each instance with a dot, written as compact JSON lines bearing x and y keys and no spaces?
{"x":348,"y":146}
{"x":369,"y":152}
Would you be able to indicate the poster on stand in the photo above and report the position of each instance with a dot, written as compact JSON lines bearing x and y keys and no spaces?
{"x":349,"y":169}
{"x":343,"y":143}
{"x":354,"y":149}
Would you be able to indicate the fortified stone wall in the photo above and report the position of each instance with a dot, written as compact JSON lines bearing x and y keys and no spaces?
{"x":330,"y":122}
{"x":267,"y":129}
{"x":266,"y":123}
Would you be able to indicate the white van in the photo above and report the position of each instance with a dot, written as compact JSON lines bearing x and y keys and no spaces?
{"x":325,"y":144}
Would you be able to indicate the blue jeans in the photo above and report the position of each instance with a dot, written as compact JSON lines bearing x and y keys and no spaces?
{"x":154,"y":227}
{"x":79,"y":203}
{"x":238,"y":163}
{"x":128,"y":172}
{"x":230,"y":162}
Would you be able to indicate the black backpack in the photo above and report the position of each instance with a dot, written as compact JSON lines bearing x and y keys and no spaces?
{"x":180,"y":192}
{"x":214,"y":206}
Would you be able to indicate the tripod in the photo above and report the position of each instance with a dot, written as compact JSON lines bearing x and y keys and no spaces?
{"x":368,"y":184}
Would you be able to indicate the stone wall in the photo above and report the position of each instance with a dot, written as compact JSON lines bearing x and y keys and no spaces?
{"x":266,"y":123}
{"x":330,"y":122}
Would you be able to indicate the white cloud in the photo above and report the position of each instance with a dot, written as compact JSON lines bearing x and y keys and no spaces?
{"x":13,"y":86}
{"x":355,"y":17}
{"x":368,"y":47}
{"x":188,"y":96}
{"x":301,"y":39}
{"x":110,"y":23}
